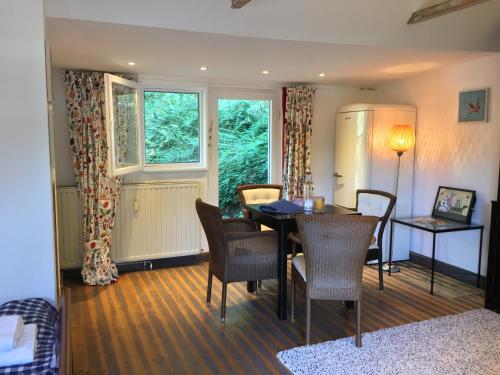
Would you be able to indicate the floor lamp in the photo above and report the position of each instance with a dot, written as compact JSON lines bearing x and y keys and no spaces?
{"x":401,"y":140}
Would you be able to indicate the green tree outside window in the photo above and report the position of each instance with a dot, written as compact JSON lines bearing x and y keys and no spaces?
{"x":243,"y":149}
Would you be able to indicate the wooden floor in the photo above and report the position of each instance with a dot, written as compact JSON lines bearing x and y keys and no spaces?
{"x":157,"y":322}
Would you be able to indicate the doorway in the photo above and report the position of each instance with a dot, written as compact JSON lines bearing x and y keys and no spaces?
{"x":243,"y":148}
{"x":242,"y":138}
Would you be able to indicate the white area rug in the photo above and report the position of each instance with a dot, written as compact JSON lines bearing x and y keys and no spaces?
{"x":467,"y":343}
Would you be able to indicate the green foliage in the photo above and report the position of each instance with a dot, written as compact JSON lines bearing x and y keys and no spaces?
{"x":243,"y":149}
{"x":171,"y":127}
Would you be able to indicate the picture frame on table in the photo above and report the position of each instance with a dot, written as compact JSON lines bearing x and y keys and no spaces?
{"x":473,"y":105}
{"x":454,"y":204}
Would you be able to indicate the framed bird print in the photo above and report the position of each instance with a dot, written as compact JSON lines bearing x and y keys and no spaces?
{"x":472,"y":106}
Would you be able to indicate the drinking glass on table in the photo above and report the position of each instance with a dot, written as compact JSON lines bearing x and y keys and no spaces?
{"x":319,"y":204}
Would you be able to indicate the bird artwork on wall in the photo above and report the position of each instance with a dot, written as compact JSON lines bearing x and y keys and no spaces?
{"x":472,"y":106}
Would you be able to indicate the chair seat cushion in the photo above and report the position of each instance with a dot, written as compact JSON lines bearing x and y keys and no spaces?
{"x":261,"y":195}
{"x":299,"y":263}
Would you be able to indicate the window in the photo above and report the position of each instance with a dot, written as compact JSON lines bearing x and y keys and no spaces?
{"x":173,"y":129}
{"x":122,"y":125}
{"x":173,"y":136}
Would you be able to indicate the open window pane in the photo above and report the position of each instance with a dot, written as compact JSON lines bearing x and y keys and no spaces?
{"x":125,"y":125}
{"x":171,"y":127}
{"x":122,"y":126}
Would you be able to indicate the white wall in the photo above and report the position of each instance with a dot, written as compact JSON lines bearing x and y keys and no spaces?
{"x":327,"y":101}
{"x":27,"y":253}
{"x":64,"y":162}
{"x":452,"y":154}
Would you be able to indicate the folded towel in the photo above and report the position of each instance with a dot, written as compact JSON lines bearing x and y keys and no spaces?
{"x":24,"y":351}
{"x":11,"y":329}
{"x":281,"y":207}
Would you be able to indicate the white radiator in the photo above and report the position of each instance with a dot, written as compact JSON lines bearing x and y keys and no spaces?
{"x":153,"y":221}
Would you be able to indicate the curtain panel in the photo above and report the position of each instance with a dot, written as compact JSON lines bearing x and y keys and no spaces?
{"x":297,"y":132}
{"x":99,"y":193}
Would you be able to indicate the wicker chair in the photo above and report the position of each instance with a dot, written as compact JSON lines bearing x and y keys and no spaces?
{"x":335,"y":248}
{"x":237,"y":251}
{"x":377,"y":203}
{"x":368,"y":202}
{"x":258,"y":193}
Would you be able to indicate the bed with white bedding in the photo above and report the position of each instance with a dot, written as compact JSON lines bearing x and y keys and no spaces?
{"x":52,"y":353}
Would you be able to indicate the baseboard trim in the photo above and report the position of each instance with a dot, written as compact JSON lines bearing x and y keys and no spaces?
{"x":144,"y":265}
{"x":448,"y":270}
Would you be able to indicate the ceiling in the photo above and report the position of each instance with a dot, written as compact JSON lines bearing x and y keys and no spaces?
{"x":356,"y":42}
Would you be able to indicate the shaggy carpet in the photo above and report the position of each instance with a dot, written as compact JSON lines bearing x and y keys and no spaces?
{"x":467,"y":343}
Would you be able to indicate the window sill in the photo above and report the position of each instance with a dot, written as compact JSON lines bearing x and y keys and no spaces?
{"x":175,"y":168}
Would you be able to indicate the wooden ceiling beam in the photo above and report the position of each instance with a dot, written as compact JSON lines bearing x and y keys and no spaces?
{"x":437,"y":10}
{"x":237,"y":4}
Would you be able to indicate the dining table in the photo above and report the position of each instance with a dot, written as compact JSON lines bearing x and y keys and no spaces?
{"x":283,"y":224}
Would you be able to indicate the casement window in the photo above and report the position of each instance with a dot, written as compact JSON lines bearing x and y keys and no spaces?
{"x":173,"y":129}
{"x":154,"y":129}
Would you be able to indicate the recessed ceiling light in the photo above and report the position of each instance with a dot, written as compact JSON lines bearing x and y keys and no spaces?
{"x":203,"y":68}
{"x":131,"y":63}
{"x":322,"y":74}
{"x":265,"y":72}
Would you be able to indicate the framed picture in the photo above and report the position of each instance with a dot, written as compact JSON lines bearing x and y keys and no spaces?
{"x":454,"y":204}
{"x":472,"y":106}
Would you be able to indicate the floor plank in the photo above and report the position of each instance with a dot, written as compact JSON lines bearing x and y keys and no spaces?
{"x":157,"y":322}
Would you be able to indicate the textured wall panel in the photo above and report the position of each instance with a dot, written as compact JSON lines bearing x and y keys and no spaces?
{"x":69,"y":221}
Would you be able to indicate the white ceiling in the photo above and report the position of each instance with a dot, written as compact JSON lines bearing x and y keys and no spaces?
{"x":356,"y":42}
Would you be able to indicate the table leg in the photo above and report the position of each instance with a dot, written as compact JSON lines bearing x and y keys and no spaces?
{"x":433,"y":261}
{"x":391,"y":235}
{"x":479,"y":260}
{"x":282,"y":271}
{"x":251,"y":286}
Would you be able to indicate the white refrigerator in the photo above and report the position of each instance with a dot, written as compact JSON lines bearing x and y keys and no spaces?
{"x":363,"y":160}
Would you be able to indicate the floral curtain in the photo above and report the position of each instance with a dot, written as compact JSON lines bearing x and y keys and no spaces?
{"x":297,"y":132}
{"x":85,"y":99}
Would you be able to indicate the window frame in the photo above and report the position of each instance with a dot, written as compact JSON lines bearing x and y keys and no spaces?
{"x":275,"y":130}
{"x":113,"y":170}
{"x":202,"y":110}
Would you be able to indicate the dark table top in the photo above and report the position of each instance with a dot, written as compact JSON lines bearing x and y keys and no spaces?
{"x":436,"y":225}
{"x":329,"y":209}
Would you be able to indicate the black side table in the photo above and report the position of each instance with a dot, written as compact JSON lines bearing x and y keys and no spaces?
{"x":436,"y":226}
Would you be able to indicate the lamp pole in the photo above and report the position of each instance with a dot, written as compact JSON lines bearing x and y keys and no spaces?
{"x":394,"y":268}
{"x":400,"y":153}
{"x":401,"y":139}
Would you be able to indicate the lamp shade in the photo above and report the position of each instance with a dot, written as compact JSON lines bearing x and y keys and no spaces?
{"x":401,"y":138}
